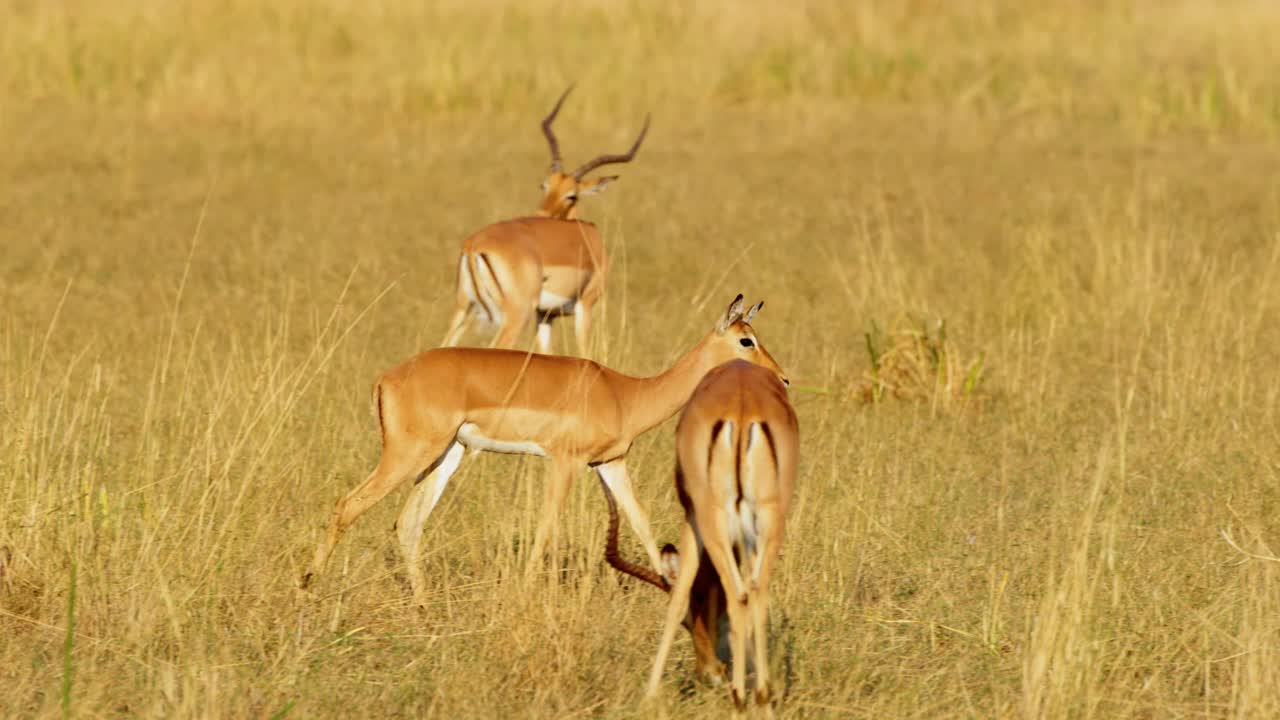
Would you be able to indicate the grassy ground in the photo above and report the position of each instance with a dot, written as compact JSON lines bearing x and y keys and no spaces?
{"x":219,"y":223}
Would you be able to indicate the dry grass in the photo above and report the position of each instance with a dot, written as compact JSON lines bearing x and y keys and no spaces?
{"x":919,"y":363}
{"x":219,"y":222}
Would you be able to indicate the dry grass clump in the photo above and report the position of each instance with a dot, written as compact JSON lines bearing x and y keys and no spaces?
{"x":919,"y":363}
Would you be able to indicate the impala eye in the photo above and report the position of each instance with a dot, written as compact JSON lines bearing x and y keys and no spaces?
{"x":746,"y":342}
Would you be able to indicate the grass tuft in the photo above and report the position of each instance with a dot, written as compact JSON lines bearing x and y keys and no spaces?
{"x":919,"y":364}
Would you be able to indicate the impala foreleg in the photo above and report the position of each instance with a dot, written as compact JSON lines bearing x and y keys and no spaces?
{"x":616,"y":477}
{"x":422,"y":500}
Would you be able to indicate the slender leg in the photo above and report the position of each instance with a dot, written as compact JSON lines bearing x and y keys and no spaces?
{"x":422,"y":500}
{"x":393,"y":469}
{"x":544,"y":336}
{"x":458,"y":324}
{"x":678,"y":605}
{"x":615,"y":476}
{"x":714,"y":530}
{"x":512,"y":282}
{"x":770,"y":533}
{"x":549,"y":524}
{"x":739,"y":624}
{"x":515,"y":317}
{"x":582,"y":327}
{"x":719,"y":548}
{"x":758,"y":605}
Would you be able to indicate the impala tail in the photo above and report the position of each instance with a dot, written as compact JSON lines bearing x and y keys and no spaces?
{"x":742,"y":462}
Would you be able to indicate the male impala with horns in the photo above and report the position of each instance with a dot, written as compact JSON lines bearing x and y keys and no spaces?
{"x":542,"y":267}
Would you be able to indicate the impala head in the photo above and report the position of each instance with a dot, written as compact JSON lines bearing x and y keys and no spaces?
{"x":560,"y":190}
{"x":734,"y":339}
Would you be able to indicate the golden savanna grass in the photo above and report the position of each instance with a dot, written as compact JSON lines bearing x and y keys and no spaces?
{"x":220,"y":221}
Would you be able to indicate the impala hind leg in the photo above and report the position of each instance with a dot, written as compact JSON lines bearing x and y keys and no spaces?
{"x":677,"y":606}
{"x":458,"y":323}
{"x":758,"y":606}
{"x":769,"y":527}
{"x":549,"y":523}
{"x":417,"y":508}
{"x":392,"y":471}
{"x":582,"y":327}
{"x":509,"y":286}
{"x":515,"y":318}
{"x":719,"y":548}
{"x":544,"y":336}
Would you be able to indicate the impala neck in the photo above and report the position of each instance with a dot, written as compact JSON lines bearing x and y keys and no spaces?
{"x":570,"y":214}
{"x":653,"y":400}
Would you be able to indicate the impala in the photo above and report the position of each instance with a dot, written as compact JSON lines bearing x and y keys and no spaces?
{"x":550,"y":265}
{"x":572,"y":410}
{"x":737,"y":448}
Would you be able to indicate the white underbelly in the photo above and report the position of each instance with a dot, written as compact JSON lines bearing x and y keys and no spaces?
{"x":551,"y":301}
{"x":472,"y":439}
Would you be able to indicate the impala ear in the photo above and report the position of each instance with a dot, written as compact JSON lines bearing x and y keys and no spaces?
{"x":732,"y":315}
{"x":670,"y":563}
{"x":752,"y":312}
{"x":591,"y":187}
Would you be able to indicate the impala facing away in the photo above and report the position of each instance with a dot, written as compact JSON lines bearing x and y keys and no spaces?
{"x":434,"y":406}
{"x":549,"y":265}
{"x":737,"y":447}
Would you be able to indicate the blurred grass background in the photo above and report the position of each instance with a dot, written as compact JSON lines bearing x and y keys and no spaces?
{"x":219,"y":222}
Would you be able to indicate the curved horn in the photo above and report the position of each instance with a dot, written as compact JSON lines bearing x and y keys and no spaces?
{"x":612,"y":159}
{"x":612,"y":556}
{"x":551,"y":136}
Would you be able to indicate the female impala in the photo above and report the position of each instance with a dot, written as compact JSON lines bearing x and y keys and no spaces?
{"x":737,"y":448}
{"x":551,"y":264}
{"x":572,"y":410}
